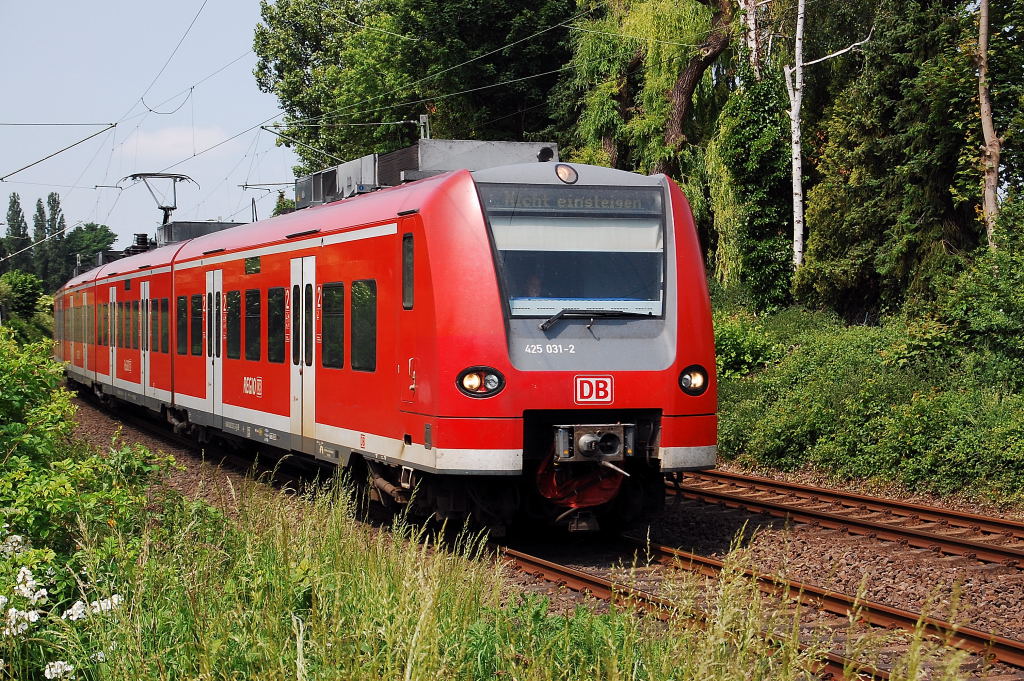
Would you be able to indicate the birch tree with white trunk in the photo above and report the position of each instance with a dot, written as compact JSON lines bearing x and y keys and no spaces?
{"x":993,"y":144}
{"x":794,"y":76}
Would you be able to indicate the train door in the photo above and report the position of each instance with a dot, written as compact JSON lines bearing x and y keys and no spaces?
{"x":144,"y":350}
{"x":214,"y":324}
{"x":406,"y":327}
{"x":301,"y":308}
{"x":112,"y":326}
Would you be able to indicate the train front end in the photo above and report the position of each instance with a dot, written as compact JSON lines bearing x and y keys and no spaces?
{"x":610,"y":353}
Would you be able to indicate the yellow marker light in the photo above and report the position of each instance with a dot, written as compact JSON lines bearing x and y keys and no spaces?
{"x":471,"y":382}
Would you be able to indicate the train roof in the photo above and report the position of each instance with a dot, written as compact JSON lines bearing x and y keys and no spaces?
{"x":358,"y":210}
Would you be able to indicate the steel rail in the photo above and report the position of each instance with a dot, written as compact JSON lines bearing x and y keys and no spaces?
{"x":990,"y":553}
{"x":987,"y":644}
{"x":904,"y":509}
{"x":832,"y":665}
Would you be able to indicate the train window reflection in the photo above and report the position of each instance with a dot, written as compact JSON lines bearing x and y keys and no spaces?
{"x":592,"y":247}
{"x":275,"y":325}
{"x":252,"y":324}
{"x":364,"y":325}
{"x":234,"y":324}
{"x":197,"y":325}
{"x":333,"y":326}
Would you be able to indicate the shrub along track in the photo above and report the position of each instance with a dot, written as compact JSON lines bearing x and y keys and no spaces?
{"x":983,"y":538}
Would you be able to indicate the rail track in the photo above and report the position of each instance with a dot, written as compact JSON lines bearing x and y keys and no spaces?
{"x":832,"y":665}
{"x":989,"y":646}
{"x":992,"y":540}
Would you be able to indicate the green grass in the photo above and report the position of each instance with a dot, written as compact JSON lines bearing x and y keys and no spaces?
{"x":285,"y":587}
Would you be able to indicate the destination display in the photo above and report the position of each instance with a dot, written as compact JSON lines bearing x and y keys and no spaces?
{"x":503,"y":198}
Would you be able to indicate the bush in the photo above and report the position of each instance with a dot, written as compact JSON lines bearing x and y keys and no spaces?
{"x":741,"y":346}
{"x":905,"y":401}
{"x":54,"y":490}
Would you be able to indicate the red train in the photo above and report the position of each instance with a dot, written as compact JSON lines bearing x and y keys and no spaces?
{"x":530,"y":341}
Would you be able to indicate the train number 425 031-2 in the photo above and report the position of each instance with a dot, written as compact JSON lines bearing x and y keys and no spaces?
{"x":550,"y":349}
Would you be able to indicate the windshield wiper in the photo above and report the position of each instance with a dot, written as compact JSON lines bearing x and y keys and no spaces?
{"x":572,"y":312}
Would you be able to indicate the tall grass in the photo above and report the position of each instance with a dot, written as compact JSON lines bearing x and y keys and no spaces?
{"x":283,"y":587}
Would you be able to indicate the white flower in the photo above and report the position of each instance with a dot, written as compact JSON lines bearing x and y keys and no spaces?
{"x":3,"y":602}
{"x":24,"y":584}
{"x":39,"y":597}
{"x":18,"y":621}
{"x":76,"y":611}
{"x":99,"y":657}
{"x":13,"y":544}
{"x":105,"y":604}
{"x":57,"y":669}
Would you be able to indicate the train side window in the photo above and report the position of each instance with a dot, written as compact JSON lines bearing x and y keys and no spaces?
{"x":197,"y":325}
{"x":181,"y":318}
{"x":154,"y":324}
{"x":135,"y":325}
{"x":364,"y":325}
{"x":275,"y":325}
{"x":165,"y":319}
{"x":233,"y":307}
{"x":407,"y":271}
{"x":333,"y":326}
{"x":308,"y":328}
{"x":119,"y":323}
{"x":252,"y":324}
{"x":144,"y":306}
{"x":296,"y":307}
{"x":92,"y":324}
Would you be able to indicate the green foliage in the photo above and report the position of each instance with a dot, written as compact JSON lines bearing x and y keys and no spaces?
{"x":53,"y":490}
{"x":17,"y":237}
{"x":753,"y":146}
{"x":741,"y":346}
{"x":392,"y":60}
{"x":898,"y":180}
{"x":984,"y":305}
{"x":283,"y":205}
{"x":625,"y":62}
{"x":290,"y":587}
{"x":20,"y":292}
{"x":86,"y":241}
{"x":906,"y":401}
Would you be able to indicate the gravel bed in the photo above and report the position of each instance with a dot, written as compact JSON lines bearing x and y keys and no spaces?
{"x":985,"y":596}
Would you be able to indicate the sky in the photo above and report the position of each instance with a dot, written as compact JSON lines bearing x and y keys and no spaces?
{"x":91,"y":62}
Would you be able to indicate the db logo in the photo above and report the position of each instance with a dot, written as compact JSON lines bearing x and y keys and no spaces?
{"x":594,"y":390}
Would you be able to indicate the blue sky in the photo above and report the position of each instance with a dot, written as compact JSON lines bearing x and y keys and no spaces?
{"x":89,"y":62}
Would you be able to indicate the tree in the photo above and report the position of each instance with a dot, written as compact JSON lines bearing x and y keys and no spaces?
{"x":991,"y":151}
{"x":20,"y":292}
{"x":60,"y":267}
{"x":42,"y":259}
{"x":794,"y":76}
{"x":897,"y":189}
{"x":17,"y":236}
{"x":378,"y":64}
{"x":283,"y":205}
{"x":86,"y":241}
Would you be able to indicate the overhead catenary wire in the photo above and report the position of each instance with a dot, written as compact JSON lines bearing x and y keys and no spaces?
{"x":169,"y":58}
{"x":59,"y":151}
{"x":45,"y":238}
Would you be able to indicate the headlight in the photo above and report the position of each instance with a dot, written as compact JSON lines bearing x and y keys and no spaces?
{"x":694,"y":380}
{"x":480,"y":381}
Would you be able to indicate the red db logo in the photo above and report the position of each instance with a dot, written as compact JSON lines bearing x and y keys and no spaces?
{"x":594,"y":390}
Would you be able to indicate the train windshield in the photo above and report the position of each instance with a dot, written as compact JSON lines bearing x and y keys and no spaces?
{"x":578,"y":247}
